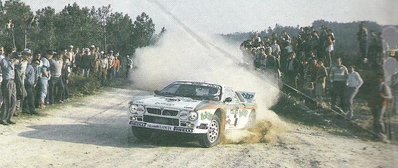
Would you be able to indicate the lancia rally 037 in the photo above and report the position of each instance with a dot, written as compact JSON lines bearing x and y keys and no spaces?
{"x":202,"y":109}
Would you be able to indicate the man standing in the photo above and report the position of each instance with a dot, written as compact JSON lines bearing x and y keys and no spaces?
{"x":116,"y":66}
{"x":86,"y":63}
{"x":1,"y":74}
{"x":43,"y":76}
{"x":362,"y":37}
{"x":70,"y":56}
{"x":8,"y":88}
{"x":272,"y":64}
{"x":30,"y":81}
{"x":320,"y":82}
{"x":56,"y":84}
{"x":104,"y":69}
{"x":354,"y":82}
{"x":378,"y":101}
{"x":130,"y":65}
{"x":338,"y":77}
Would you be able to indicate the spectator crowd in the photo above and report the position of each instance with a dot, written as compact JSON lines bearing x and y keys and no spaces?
{"x":32,"y":80}
{"x":307,"y":63}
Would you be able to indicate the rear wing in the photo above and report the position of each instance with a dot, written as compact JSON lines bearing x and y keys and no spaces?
{"x":246,"y":97}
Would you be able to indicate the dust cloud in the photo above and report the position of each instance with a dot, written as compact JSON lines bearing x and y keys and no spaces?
{"x":179,"y":55}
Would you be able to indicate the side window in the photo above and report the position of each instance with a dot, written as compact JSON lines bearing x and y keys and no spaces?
{"x":228,"y":92}
{"x":171,"y":89}
{"x":241,"y":99}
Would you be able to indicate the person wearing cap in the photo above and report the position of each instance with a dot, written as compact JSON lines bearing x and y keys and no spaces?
{"x":8,"y":87}
{"x":29,"y":84}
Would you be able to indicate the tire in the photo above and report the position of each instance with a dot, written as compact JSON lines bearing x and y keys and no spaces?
{"x":252,"y":120}
{"x":141,"y":133}
{"x":214,"y":133}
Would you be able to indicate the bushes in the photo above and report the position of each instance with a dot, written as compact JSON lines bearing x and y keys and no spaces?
{"x":79,"y":86}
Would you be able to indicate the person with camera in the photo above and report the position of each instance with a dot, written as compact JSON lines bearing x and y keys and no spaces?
{"x":8,"y":87}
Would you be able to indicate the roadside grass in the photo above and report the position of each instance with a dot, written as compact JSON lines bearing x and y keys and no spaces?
{"x":294,"y":110}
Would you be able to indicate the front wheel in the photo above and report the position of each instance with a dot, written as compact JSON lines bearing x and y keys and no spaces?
{"x":213,"y":135}
{"x":141,"y":133}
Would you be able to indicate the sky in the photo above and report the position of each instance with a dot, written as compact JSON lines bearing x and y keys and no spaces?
{"x":228,"y":16}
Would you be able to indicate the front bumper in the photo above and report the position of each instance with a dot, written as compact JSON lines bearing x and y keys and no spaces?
{"x":164,"y":127}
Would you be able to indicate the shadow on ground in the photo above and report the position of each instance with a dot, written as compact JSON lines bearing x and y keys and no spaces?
{"x":105,"y":135}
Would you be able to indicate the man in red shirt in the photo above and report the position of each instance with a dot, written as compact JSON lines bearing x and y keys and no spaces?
{"x":116,"y":67}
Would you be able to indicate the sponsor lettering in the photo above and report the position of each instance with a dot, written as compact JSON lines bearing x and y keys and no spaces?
{"x":247,"y":96}
{"x":206,"y":116}
{"x":165,"y":104}
{"x":162,"y":127}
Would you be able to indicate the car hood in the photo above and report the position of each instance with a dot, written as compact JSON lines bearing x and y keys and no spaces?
{"x":171,"y":102}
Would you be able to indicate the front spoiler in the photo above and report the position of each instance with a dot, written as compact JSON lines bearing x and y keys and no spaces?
{"x":167,"y":127}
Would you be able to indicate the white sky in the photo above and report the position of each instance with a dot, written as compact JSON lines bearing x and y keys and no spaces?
{"x":227,"y":16}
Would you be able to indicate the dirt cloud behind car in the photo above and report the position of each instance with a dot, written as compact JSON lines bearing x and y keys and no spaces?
{"x":181,"y":56}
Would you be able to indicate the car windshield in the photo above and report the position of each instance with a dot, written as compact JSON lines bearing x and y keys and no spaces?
{"x":195,"y":91}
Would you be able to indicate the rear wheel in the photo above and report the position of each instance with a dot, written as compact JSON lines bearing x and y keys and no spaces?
{"x":214,"y":133}
{"x":141,"y":133}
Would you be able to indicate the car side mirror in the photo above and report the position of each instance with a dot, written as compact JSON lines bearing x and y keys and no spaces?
{"x":157,"y":92}
{"x":227,"y":100}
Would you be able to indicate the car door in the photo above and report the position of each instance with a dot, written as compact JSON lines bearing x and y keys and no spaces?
{"x":232,"y":108}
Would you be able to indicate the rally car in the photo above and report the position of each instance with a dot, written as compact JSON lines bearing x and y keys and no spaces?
{"x":202,"y":109}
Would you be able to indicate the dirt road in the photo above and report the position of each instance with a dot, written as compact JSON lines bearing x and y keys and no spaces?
{"x":94,"y":133}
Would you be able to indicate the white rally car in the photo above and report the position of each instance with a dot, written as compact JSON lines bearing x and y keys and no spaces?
{"x":198,"y":108}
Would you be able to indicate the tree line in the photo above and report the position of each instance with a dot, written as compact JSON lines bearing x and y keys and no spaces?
{"x":46,"y":29}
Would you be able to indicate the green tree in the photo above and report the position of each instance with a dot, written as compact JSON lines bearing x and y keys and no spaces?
{"x":143,"y":30}
{"x":43,"y":33}
{"x":21,"y":17}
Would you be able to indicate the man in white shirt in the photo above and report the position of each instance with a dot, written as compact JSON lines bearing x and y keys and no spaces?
{"x":353,"y":83}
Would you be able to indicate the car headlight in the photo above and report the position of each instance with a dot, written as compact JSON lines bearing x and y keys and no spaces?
{"x":184,"y":115}
{"x":140,"y":110}
{"x":136,"y":109}
{"x":193,"y":116}
{"x":133,"y":109}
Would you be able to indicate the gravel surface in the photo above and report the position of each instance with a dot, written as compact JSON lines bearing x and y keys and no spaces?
{"x":93,"y":132}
